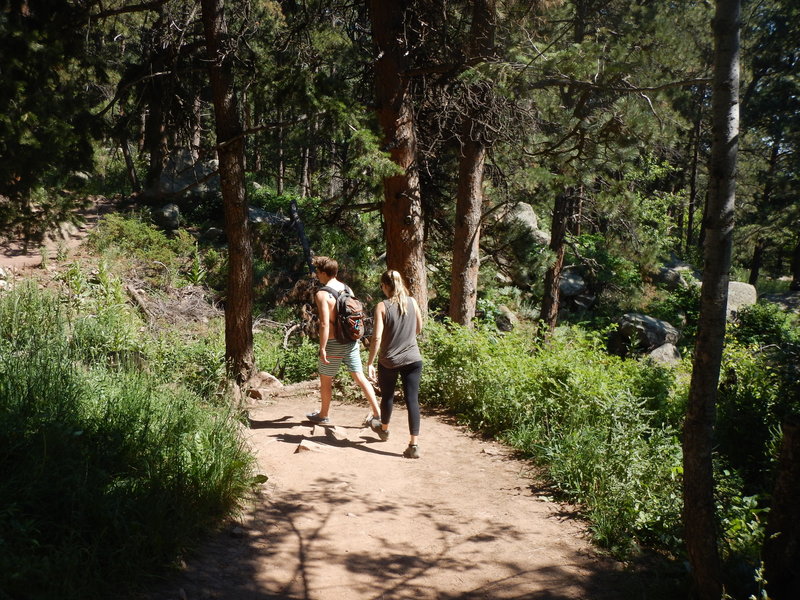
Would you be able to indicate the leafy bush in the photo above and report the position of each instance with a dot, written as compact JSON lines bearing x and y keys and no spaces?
{"x":107,"y":475}
{"x":578,"y":410}
{"x":765,"y":323}
{"x":136,"y":238}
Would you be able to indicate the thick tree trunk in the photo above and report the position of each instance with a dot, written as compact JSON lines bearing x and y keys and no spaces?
{"x":782,"y":536}
{"x":693,"y":177}
{"x":467,"y":233}
{"x":402,"y":205}
{"x":757,"y":261}
{"x":552,"y":278}
{"x":469,"y":195}
{"x":230,"y":151}
{"x":795,"y":285}
{"x":130,"y":166}
{"x":155,"y":138}
{"x":698,"y":481}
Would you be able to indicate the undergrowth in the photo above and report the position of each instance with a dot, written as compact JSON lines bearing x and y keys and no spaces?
{"x":109,"y":473}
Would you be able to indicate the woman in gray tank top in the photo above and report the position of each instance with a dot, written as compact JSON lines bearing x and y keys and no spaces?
{"x":398,"y":321}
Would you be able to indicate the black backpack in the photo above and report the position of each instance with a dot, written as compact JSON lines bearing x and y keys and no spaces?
{"x":349,"y":316}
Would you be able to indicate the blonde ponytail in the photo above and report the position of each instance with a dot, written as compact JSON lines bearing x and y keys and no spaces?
{"x":398,"y":293}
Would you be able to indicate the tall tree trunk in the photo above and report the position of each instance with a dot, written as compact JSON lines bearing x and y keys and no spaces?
{"x":130,"y":166}
{"x":552,"y":278}
{"x":782,"y":536}
{"x":757,"y":261}
{"x":698,"y":480}
{"x":693,"y":177}
{"x":469,"y":195}
{"x":795,"y":285}
{"x":402,"y":205}
{"x":155,"y":138}
{"x":230,"y":151}
{"x":281,"y":165}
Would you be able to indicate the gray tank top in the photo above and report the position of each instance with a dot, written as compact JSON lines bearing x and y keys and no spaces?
{"x":399,"y":340}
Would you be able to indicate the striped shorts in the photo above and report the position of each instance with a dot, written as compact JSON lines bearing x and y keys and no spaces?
{"x":337,"y":353}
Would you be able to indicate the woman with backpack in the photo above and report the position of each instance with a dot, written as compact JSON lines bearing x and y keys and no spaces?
{"x":397,"y":323}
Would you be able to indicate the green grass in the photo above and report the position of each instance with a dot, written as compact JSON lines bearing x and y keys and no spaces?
{"x":108,"y":474}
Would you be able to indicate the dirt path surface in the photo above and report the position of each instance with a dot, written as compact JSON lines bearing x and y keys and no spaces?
{"x":16,"y":256}
{"x":352,"y":519}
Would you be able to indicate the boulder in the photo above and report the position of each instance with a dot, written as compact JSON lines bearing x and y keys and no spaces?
{"x":665,"y":354}
{"x":670,"y":278}
{"x":571,"y":284}
{"x":168,"y":216}
{"x":213,"y":235}
{"x":523,"y":216}
{"x":259,"y":215}
{"x":645,"y":333}
{"x":186,"y":176}
{"x":506,"y":320}
{"x":740,"y":295}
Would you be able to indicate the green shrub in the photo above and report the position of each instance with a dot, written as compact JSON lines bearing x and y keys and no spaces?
{"x":576,"y":409}
{"x":106,"y":475}
{"x":137,"y":238}
{"x":765,"y":323}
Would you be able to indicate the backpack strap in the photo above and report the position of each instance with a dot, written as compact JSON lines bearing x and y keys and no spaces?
{"x":336,"y":293}
{"x":330,"y":290}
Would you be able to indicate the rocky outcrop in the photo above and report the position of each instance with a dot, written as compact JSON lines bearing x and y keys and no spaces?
{"x":740,"y":295}
{"x":666,"y":354}
{"x":642,"y":333}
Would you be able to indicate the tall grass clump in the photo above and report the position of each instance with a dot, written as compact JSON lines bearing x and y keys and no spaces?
{"x":107,"y":475}
{"x":596,"y":421}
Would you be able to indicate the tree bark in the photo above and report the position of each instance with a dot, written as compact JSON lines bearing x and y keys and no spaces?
{"x":757,"y":261}
{"x":782,"y":536}
{"x":469,"y":195}
{"x":402,"y":205}
{"x":230,"y":151}
{"x":552,"y":278}
{"x":693,"y":177}
{"x":698,"y":481}
{"x":795,"y":285}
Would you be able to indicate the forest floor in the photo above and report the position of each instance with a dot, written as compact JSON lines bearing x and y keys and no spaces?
{"x":352,"y":519}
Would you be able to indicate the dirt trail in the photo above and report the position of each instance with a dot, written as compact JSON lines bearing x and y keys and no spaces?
{"x":355,"y":520}
{"x":16,"y":256}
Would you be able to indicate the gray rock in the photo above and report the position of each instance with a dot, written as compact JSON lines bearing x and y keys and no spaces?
{"x":259,"y":215}
{"x":666,"y":354}
{"x":213,"y":235}
{"x":740,"y":295}
{"x":571,"y":284}
{"x":506,"y":320}
{"x":522,"y":214}
{"x":672,"y":279}
{"x":168,"y":216}
{"x":182,"y":174}
{"x":645,"y":332}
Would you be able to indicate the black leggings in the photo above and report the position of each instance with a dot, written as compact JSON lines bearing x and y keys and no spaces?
{"x":387,"y":380}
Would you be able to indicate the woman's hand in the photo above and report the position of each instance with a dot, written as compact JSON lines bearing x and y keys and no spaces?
{"x":371,"y":372}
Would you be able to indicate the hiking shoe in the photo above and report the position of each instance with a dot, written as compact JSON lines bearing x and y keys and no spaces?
{"x":370,"y":419}
{"x":375,"y":425}
{"x":315,"y":418}
{"x":411,"y":452}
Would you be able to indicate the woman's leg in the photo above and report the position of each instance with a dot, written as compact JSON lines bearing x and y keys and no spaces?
{"x":411,"y":375}
{"x":387,"y":380}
